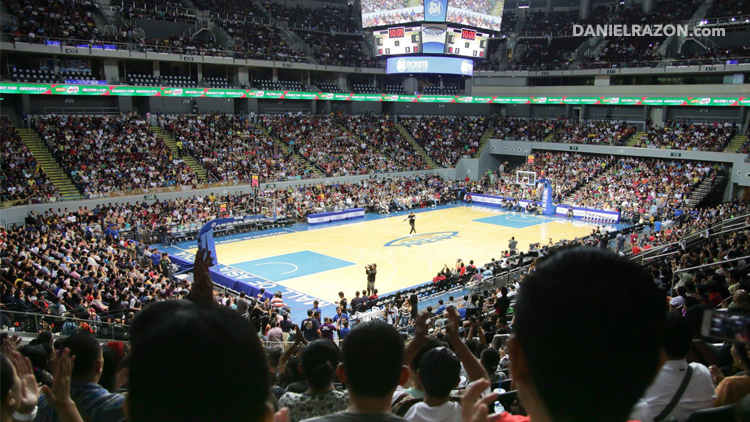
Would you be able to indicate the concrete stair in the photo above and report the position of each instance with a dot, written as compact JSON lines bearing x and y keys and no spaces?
{"x":485,"y":138}
{"x":191,"y":161}
{"x":51,"y":167}
{"x":405,"y":133}
{"x":635,"y":138}
{"x":549,"y":137}
{"x":317,"y":171}
{"x":736,"y":143}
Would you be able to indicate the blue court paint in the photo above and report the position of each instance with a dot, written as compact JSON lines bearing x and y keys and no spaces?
{"x":515,"y":221}
{"x":292,"y":265}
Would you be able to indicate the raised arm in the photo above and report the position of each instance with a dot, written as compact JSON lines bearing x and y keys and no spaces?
{"x":473,"y":367}
{"x":419,"y":340}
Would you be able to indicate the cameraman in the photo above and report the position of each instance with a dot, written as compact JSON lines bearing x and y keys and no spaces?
{"x":371,"y":270}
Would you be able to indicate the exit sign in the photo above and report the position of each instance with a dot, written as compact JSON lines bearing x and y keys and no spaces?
{"x":675,"y":154}
{"x":574,"y":148}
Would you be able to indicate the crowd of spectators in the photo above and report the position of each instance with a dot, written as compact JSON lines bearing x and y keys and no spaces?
{"x":41,"y":19}
{"x":627,"y":52}
{"x":181,"y":44}
{"x":417,"y":363}
{"x":165,"y":11}
{"x":334,"y":149}
{"x":338,"y":49}
{"x":643,"y":186}
{"x":372,"y":6}
{"x":712,"y":55}
{"x":494,"y":23}
{"x":554,"y":23}
{"x":232,"y":150}
{"x":381,"y":133}
{"x":566,"y":171}
{"x":689,"y":136}
{"x":74,"y":263}
{"x":328,"y":18}
{"x":515,"y":129}
{"x":108,"y":155}
{"x":393,"y":17}
{"x":593,"y":132}
{"x":374,"y":195}
{"x":447,"y":139}
{"x":477,"y":6}
{"x":260,"y":41}
{"x":22,"y":180}
{"x":229,"y":9}
{"x":726,"y":8}
{"x":557,"y":54}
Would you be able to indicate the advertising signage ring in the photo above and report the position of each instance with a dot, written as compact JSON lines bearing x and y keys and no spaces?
{"x":430,"y":64}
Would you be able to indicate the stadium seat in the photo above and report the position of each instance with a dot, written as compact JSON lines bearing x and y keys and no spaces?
{"x":719,"y":414}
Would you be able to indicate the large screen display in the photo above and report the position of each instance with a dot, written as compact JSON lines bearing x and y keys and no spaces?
{"x":391,"y":12}
{"x":398,"y":40}
{"x":433,"y":38}
{"x":429,"y":64}
{"x":485,"y":14}
{"x":466,"y":42}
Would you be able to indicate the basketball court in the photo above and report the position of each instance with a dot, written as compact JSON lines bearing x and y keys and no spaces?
{"x":307,"y":263}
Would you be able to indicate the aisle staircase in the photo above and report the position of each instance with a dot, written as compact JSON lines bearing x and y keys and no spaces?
{"x":317,"y":171}
{"x":193,"y":163}
{"x":416,"y":146}
{"x":736,"y":143}
{"x":635,"y":138}
{"x":549,"y":137}
{"x":51,"y":167}
{"x":485,"y":139}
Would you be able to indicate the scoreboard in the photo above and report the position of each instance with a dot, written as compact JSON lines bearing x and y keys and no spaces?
{"x":466,"y":42}
{"x":398,"y":40}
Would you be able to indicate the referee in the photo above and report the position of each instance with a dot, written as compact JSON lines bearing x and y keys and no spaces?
{"x":412,"y":219}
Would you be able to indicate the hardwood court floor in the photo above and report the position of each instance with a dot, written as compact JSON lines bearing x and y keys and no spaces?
{"x":321,"y":261}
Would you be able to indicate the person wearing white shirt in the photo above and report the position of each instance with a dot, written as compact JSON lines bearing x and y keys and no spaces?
{"x":698,"y":395}
{"x":439,"y":371}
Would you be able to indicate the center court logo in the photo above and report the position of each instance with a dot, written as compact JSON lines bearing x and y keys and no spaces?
{"x":422,"y":239}
{"x":435,"y":8}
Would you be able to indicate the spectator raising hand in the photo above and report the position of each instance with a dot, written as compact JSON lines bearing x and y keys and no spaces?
{"x":202,"y":290}
{"x":29,"y":395}
{"x":58,"y":397}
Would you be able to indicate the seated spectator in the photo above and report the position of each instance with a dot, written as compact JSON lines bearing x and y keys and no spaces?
{"x":371,"y":367}
{"x":94,"y":401}
{"x":686,"y":136}
{"x":731,"y":390}
{"x":107,"y":154}
{"x":439,"y":372}
{"x":447,"y":139}
{"x":168,"y":337}
{"x":22,"y":180}
{"x":543,"y":372}
{"x":320,"y":359}
{"x":699,"y":393}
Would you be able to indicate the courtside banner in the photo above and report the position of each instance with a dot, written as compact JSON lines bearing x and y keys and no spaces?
{"x":588,"y":213}
{"x":327,"y":217}
{"x":141,"y":91}
{"x":562,"y":210}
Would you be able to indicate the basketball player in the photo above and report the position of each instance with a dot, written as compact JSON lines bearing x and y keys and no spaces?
{"x":412,"y":218}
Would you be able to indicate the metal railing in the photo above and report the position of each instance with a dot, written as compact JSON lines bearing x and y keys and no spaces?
{"x":34,"y":322}
{"x":682,"y":270}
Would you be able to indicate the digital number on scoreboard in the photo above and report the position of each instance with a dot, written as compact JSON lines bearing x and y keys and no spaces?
{"x":466,"y":42}
{"x":398,"y":40}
